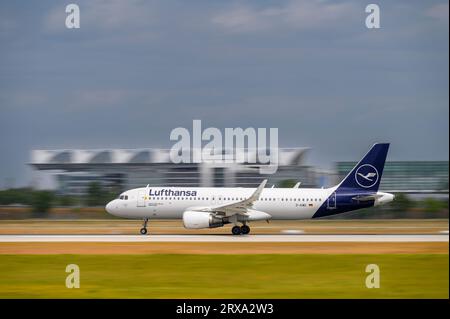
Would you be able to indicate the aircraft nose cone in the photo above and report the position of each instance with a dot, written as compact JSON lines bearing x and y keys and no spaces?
{"x":110,"y":207}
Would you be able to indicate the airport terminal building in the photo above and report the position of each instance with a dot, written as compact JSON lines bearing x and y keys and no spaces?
{"x":121,"y":169}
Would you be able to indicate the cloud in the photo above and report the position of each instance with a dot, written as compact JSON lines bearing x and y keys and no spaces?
{"x":295,"y":14}
{"x":438,"y":12}
{"x":242,"y":19}
{"x":7,"y":24}
{"x":102,"y":97}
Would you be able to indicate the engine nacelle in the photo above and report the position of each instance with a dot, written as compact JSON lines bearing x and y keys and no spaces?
{"x":197,"y":220}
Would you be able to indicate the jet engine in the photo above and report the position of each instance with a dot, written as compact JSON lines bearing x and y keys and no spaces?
{"x":197,"y":220}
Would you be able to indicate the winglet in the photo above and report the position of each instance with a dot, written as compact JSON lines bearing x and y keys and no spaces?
{"x":297,"y":185}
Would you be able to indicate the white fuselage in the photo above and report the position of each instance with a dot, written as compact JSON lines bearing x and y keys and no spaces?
{"x":172,"y":202}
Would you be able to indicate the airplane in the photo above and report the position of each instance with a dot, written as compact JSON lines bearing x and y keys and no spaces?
{"x":209,"y":207}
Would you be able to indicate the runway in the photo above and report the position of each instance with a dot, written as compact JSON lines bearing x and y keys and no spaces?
{"x":221,"y":238}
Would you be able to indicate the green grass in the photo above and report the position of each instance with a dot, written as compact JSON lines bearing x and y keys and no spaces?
{"x":224,"y":276}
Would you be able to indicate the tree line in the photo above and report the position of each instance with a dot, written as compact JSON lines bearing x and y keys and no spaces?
{"x":44,"y":200}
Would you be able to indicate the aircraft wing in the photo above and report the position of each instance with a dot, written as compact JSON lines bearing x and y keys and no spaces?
{"x":240,"y":207}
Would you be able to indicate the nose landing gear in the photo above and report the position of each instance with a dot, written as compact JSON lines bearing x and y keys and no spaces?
{"x":143,"y":230}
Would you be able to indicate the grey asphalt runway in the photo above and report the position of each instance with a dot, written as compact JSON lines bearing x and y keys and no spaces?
{"x":224,"y":238}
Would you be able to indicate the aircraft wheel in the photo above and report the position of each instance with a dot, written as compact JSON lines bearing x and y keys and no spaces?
{"x":236,"y":230}
{"x":245,"y":229}
{"x":143,"y":231}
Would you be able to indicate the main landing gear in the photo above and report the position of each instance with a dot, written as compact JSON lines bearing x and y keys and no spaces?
{"x":143,"y":230}
{"x":240,"y":230}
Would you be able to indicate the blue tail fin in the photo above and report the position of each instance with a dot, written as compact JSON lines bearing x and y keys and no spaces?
{"x":366,"y":175}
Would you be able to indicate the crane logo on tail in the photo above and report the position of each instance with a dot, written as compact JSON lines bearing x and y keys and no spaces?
{"x":366,"y":176}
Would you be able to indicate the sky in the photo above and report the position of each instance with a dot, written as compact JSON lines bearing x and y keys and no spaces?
{"x":135,"y":70}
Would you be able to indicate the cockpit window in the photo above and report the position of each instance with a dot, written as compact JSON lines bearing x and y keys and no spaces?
{"x":126,"y":197}
{"x":121,"y":197}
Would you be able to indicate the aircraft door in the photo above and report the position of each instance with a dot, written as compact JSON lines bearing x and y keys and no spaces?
{"x":331,"y":204}
{"x":141,"y":198}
